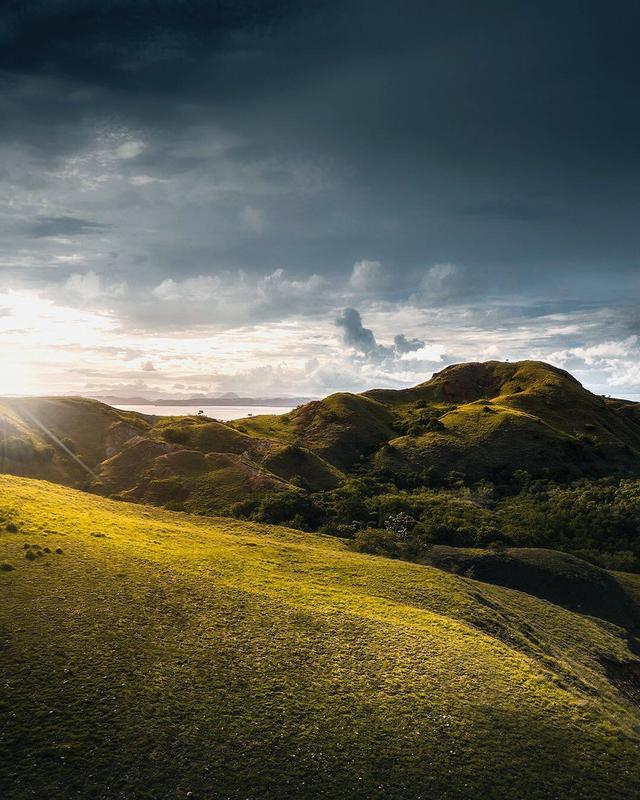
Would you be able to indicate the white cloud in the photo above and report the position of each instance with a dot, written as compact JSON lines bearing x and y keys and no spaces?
{"x":439,"y":283}
{"x":430,"y":352}
{"x":90,"y":286}
{"x":130,"y":149}
{"x":200,"y":288}
{"x":277,"y":284}
{"x":368,"y":276}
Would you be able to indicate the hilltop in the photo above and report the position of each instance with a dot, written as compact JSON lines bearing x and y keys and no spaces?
{"x":480,"y":419}
{"x":151,"y":654}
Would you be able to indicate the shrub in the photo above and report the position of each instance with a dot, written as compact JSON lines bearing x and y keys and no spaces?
{"x":401,"y":524}
{"x":30,"y":555}
{"x":288,"y":508}
{"x":377,"y":542}
{"x":11,"y":527}
{"x":47,"y":453}
{"x":343,"y":530}
{"x":18,"y":449}
{"x":5,"y":567}
{"x":59,"y":551}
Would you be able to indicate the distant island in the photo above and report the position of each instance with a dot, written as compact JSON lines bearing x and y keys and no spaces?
{"x":228,"y":399}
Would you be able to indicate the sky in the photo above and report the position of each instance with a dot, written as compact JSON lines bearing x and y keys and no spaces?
{"x":297,"y":198}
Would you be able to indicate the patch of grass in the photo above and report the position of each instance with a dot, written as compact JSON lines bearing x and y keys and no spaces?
{"x":230,"y":479}
{"x":340,"y":428}
{"x":178,"y":659}
{"x":302,"y":467}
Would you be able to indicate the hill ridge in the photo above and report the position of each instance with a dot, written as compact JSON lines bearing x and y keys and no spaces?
{"x":482,"y":420}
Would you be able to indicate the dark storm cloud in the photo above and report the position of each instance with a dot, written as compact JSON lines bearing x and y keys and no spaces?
{"x":499,"y":137}
{"x":404,"y":345}
{"x":364,"y":342}
{"x":355,"y":334}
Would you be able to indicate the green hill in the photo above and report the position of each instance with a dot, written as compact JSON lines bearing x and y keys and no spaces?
{"x":495,"y":418}
{"x":475,"y":421}
{"x":342,"y":428}
{"x":164,"y":656}
{"x":192,"y":462}
{"x":61,"y":438}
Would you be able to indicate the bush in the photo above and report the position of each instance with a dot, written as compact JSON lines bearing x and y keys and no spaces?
{"x":377,"y":542}
{"x":46,"y":453}
{"x":17,"y":449}
{"x":285,"y":508}
{"x":342,"y":530}
{"x":5,"y":567}
{"x":11,"y":527}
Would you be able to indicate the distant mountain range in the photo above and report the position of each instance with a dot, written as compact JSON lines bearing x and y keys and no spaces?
{"x":227,"y":399}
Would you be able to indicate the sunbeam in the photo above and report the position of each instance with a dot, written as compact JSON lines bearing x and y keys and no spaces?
{"x":57,"y":441}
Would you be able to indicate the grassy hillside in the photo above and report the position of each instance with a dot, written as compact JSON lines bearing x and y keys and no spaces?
{"x":191,"y":462}
{"x":478,"y":454}
{"x":558,"y":577}
{"x":167,"y":656}
{"x":494,"y":418}
{"x":342,"y":428}
{"x":470,"y":422}
{"x":61,"y":438}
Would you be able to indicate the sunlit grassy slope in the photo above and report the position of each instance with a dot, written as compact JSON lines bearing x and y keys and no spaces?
{"x":160,"y":655}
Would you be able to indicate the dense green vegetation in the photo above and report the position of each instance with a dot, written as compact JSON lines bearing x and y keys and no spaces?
{"x":598,"y":520}
{"x":149,"y":654}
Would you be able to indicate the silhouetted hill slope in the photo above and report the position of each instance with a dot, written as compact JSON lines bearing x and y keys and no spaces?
{"x":161,"y":655}
{"x":560,"y":578}
{"x":191,"y":461}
